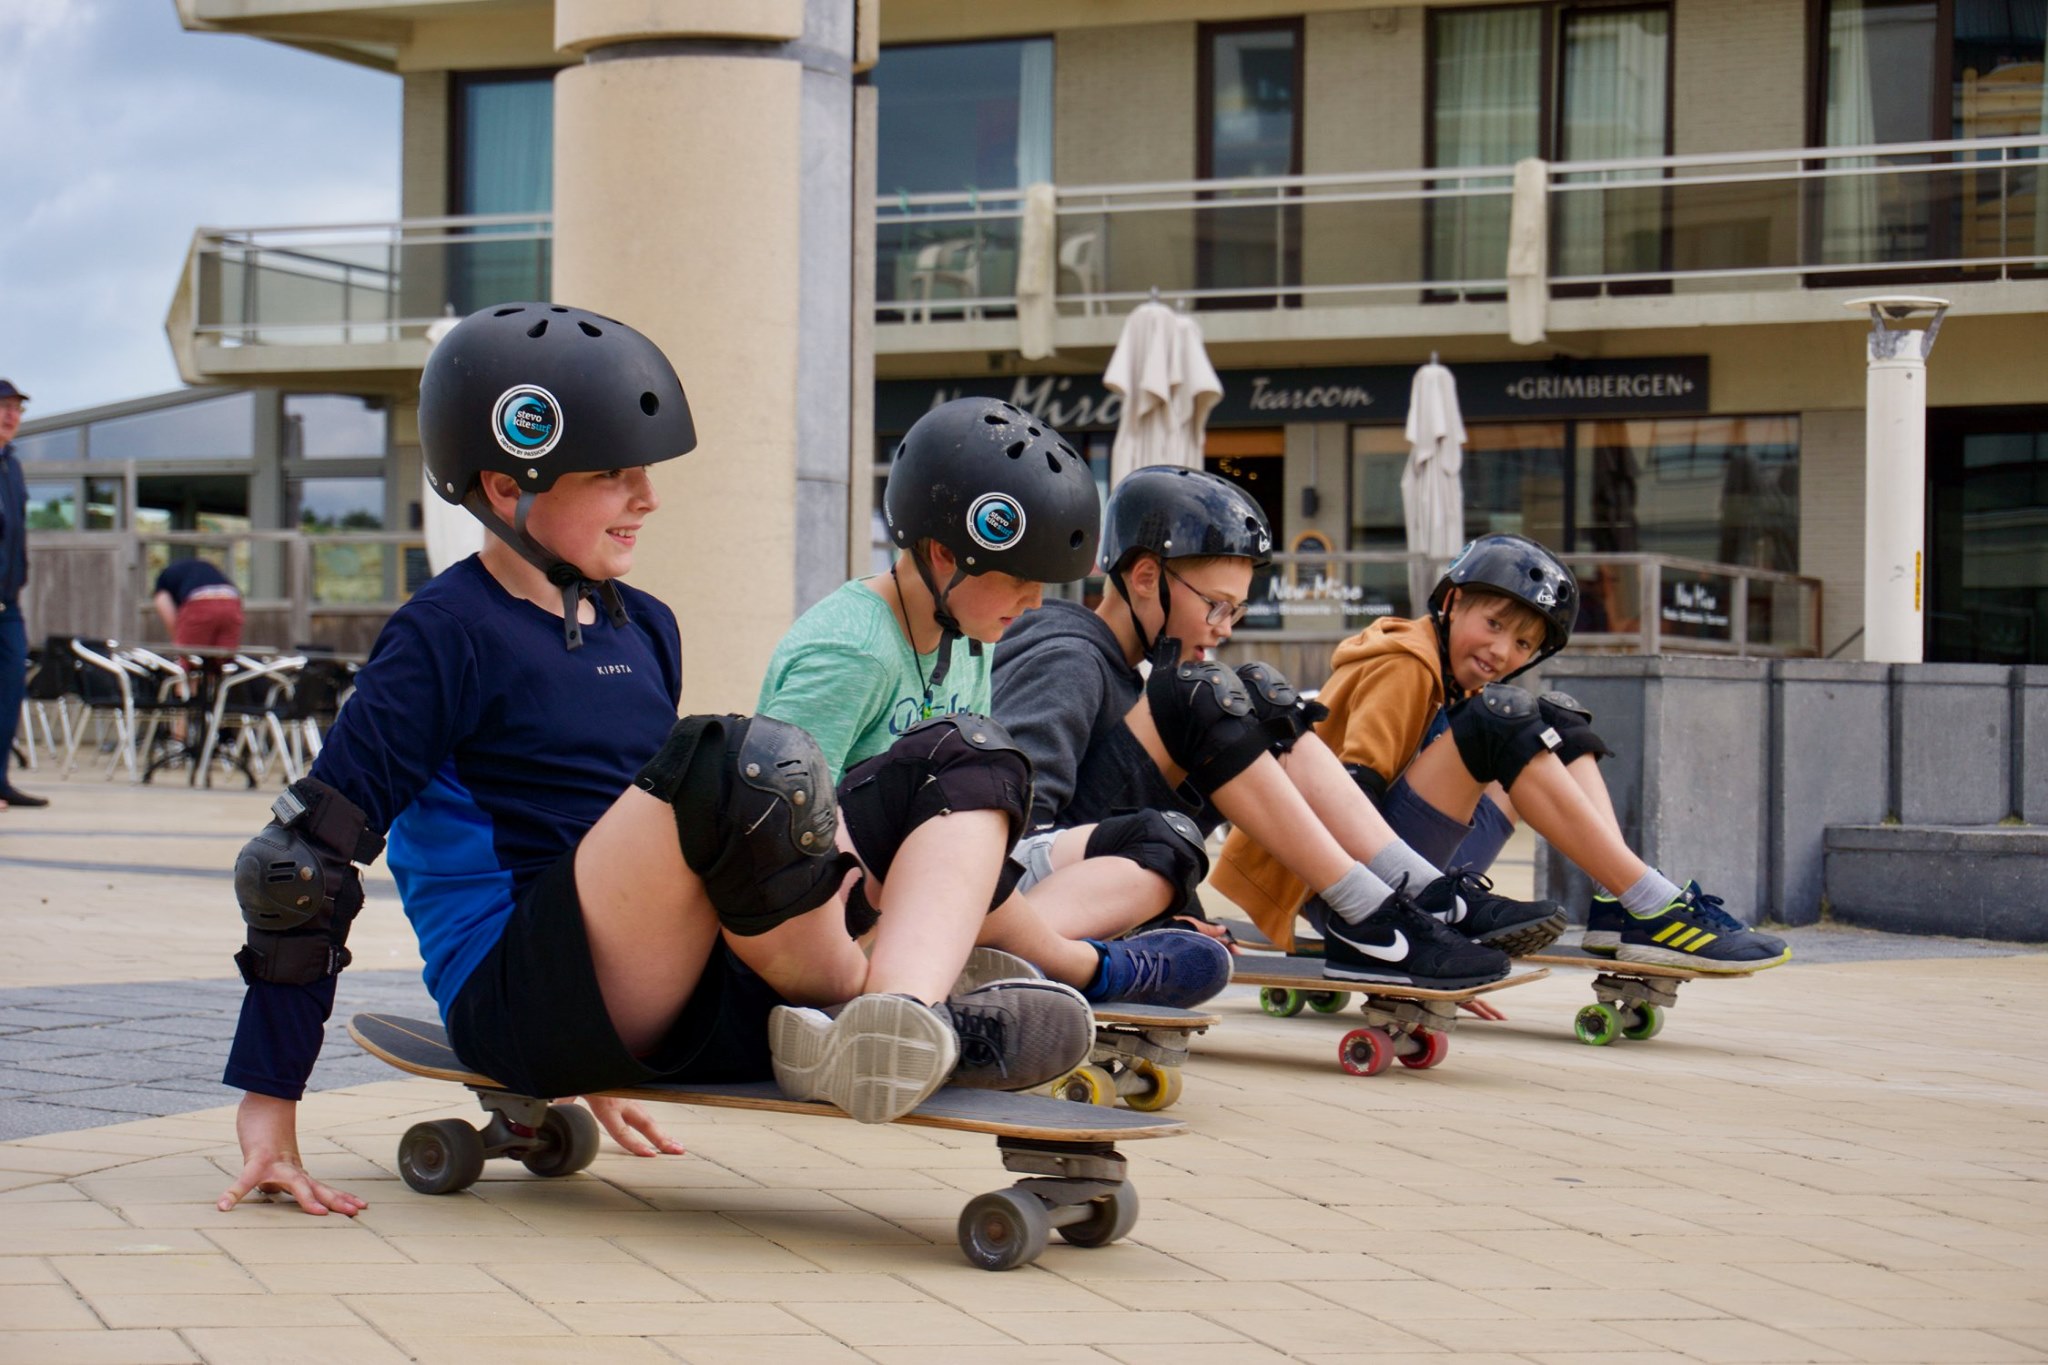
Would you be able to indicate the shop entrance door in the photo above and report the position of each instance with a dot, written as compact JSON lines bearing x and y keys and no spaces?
{"x":1987,"y":536}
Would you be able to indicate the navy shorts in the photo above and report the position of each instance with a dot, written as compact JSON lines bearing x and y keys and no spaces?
{"x":531,"y":1016}
{"x":1446,"y":842}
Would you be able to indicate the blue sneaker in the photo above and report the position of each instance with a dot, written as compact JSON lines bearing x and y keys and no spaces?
{"x":1695,"y":933}
{"x":1605,"y":920}
{"x":1175,"y":967}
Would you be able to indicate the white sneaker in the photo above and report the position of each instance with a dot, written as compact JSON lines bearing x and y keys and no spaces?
{"x":878,"y":1058}
{"x":986,"y":966}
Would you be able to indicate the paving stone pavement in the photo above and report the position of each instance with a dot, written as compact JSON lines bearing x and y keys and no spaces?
{"x":1842,"y":1160}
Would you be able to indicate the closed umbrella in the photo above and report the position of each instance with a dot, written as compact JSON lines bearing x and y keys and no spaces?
{"x":1168,"y":385}
{"x":1432,"y":497}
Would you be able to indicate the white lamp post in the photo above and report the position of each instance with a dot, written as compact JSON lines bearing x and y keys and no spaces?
{"x":1895,"y":476}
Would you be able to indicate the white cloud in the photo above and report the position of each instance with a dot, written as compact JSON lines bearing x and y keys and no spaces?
{"x":124,"y":134}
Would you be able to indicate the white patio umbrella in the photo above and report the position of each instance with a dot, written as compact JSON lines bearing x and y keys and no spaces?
{"x":1168,"y":385}
{"x":452,"y":533}
{"x":1431,"y":495}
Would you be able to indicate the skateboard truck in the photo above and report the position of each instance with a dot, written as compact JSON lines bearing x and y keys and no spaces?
{"x":1078,"y":1188}
{"x":1629,"y":1007}
{"x":1141,"y":1066}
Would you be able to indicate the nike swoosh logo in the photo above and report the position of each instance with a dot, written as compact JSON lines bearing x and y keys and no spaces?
{"x":1393,"y":952}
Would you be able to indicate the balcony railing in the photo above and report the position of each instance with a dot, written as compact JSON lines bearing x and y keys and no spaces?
{"x":353,"y":283}
{"x":1897,"y":212}
{"x":1744,"y":220}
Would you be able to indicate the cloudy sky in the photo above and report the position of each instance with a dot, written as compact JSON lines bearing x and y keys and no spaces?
{"x":121,"y":134}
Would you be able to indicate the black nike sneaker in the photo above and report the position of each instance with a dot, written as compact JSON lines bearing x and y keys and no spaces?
{"x":1403,"y":946}
{"x":1465,"y":900}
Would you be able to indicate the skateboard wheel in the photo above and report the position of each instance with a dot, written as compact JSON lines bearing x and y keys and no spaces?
{"x":1004,"y":1229}
{"x":1597,"y":1025}
{"x":1326,"y":1002}
{"x":1280,"y":1002}
{"x":1365,"y":1051}
{"x":1433,"y":1048}
{"x":569,"y":1140}
{"x":1647,"y":1023}
{"x":1086,"y":1084}
{"x":1161,"y":1088}
{"x":440,"y":1157}
{"x":1110,"y":1219}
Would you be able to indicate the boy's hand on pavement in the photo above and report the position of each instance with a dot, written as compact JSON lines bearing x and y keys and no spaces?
{"x":632,"y":1127}
{"x":268,"y":1130}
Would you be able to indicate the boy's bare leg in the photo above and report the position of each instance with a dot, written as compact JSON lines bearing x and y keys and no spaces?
{"x":1498,"y":794}
{"x":1083,"y":898}
{"x":1585,"y":770}
{"x":940,"y":882}
{"x":1546,"y":796}
{"x":1336,"y":800}
{"x":1264,"y":803}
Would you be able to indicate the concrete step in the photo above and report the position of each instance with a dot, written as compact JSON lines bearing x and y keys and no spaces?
{"x":1970,"y":881}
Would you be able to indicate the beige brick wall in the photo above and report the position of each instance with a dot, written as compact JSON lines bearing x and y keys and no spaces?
{"x":1363,"y":106}
{"x":1738,"y":75}
{"x":1125,"y":113}
{"x":1831,"y":520}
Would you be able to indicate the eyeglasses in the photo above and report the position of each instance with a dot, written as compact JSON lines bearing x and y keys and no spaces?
{"x":1221,"y":613}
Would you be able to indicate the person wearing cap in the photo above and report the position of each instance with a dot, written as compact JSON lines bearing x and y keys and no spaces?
{"x":13,"y":578}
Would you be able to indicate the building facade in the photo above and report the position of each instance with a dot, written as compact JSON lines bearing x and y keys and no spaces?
{"x":825,"y":212}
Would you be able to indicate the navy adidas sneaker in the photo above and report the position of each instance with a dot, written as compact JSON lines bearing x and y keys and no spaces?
{"x":1695,"y":933}
{"x":1604,"y":922}
{"x":1465,"y":900}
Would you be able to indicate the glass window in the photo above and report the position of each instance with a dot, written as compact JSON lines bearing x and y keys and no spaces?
{"x":65,"y":443}
{"x":222,"y":428}
{"x":103,"y":504}
{"x":1487,"y":73}
{"x":504,"y":154}
{"x":1724,"y":489}
{"x":1612,"y":106}
{"x":955,"y":118}
{"x":1988,"y":547}
{"x":53,"y":507}
{"x":328,"y":426}
{"x":1879,"y":83}
{"x":326,"y":505}
{"x":1250,"y":92}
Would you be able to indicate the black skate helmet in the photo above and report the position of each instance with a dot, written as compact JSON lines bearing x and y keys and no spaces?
{"x":998,"y":488}
{"x":1179,"y":513}
{"x":538,"y":390}
{"x":1519,"y":568}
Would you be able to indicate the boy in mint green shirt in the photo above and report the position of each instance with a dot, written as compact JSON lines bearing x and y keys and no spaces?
{"x":986,"y":505}
{"x":846,"y":671}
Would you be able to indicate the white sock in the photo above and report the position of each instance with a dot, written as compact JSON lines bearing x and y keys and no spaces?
{"x":1356,"y":894}
{"x":1396,"y":861}
{"x":1651,"y":894}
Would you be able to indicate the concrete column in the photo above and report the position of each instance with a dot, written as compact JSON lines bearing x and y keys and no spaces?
{"x":703,"y":194}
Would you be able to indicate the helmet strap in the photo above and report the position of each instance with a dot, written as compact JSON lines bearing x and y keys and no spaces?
{"x":949,"y":627}
{"x":573,"y":583}
{"x":1150,"y":640}
{"x":1441,"y":617}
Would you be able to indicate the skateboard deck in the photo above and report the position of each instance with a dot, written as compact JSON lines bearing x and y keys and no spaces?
{"x":1411,"y":1024}
{"x":1076,"y":1178}
{"x":1138,"y":1055}
{"x":1630,"y":998}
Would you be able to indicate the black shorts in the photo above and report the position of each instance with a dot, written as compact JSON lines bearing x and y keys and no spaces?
{"x":531,"y":1016}
{"x":926,"y":774}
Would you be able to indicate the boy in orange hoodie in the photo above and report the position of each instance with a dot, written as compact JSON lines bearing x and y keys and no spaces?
{"x":1423,"y":717}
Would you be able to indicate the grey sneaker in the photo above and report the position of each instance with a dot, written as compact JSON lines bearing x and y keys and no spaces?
{"x":992,"y":964}
{"x":877,"y":1058}
{"x":1018,"y":1035}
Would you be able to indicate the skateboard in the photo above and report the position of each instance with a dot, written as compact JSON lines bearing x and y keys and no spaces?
{"x":1306,"y":944}
{"x":1076,"y":1182}
{"x":1630,"y":998}
{"x":1138,"y":1054}
{"x":1411,"y":1024}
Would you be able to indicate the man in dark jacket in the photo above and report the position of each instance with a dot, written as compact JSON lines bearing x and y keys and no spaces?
{"x":13,"y":577}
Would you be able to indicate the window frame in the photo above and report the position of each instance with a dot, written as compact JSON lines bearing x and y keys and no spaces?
{"x":1205,"y":154}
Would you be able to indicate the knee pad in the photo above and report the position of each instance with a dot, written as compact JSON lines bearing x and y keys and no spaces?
{"x":755,"y":816}
{"x":1206,"y":720}
{"x":1285,"y":714}
{"x":1574,"y":726}
{"x":1165,"y":842}
{"x":1499,"y":732}
{"x":949,"y":763}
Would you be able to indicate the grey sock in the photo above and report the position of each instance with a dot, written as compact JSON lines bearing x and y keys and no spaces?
{"x":1356,"y":894}
{"x":1651,"y":894}
{"x":1396,"y":861}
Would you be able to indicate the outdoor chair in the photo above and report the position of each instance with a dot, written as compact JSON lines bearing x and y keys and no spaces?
{"x":955,"y":263}
{"x":250,"y":699}
{"x":106,"y":687}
